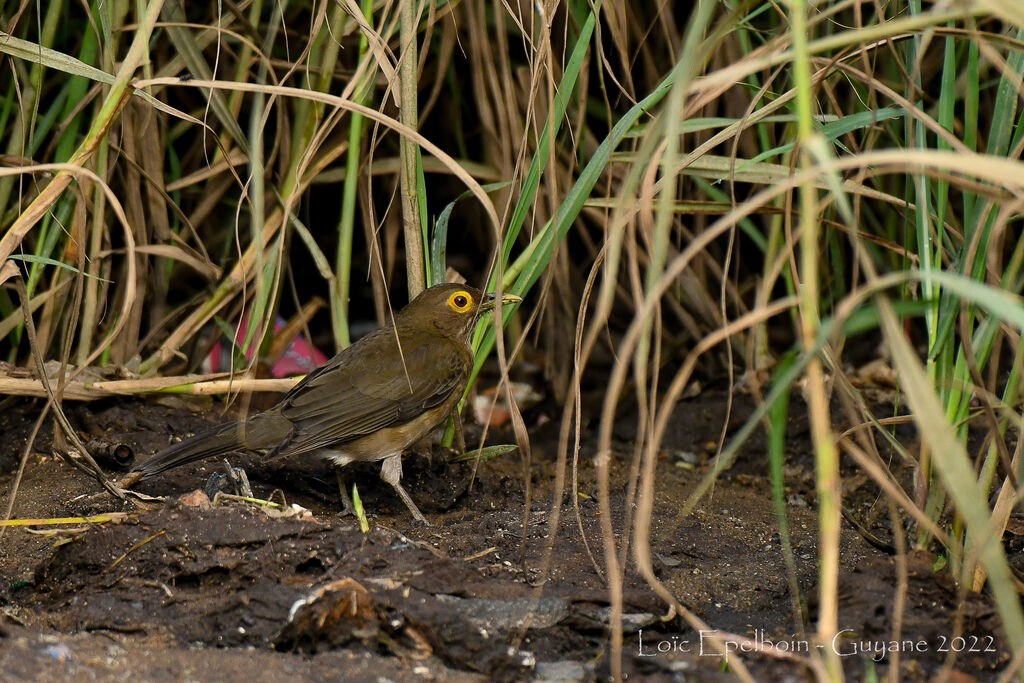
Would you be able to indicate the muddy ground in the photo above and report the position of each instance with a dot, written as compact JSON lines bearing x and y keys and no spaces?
{"x":190,"y":591}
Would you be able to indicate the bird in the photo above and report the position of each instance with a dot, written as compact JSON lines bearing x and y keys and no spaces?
{"x":370,"y":402}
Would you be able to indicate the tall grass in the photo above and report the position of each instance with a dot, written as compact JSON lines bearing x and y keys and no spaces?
{"x":824,"y":170}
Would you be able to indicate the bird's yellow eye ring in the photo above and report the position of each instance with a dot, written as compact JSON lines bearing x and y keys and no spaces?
{"x":460,"y":301}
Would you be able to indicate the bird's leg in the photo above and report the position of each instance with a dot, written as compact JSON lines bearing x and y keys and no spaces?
{"x":391,"y":472}
{"x":459,"y":442}
{"x":349,"y":508}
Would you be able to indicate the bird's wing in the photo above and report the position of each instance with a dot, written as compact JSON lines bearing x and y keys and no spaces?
{"x":369,"y":388}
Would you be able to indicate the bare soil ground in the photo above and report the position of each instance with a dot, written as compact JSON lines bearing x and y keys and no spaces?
{"x":189,"y":591}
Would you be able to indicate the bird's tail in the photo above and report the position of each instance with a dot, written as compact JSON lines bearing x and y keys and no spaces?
{"x":217,"y":441}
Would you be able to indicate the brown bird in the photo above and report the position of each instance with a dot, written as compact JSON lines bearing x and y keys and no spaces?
{"x":371,"y":401}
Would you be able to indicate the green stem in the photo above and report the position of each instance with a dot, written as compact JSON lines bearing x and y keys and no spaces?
{"x":346,"y":227}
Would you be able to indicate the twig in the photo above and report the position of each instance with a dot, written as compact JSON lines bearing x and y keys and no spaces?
{"x":134,"y":548}
{"x":871,"y":539}
{"x":91,"y":519}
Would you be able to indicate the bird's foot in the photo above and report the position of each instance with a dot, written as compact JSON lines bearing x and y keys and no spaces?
{"x":391,"y":472}
{"x":348,"y":508}
{"x":417,"y":515}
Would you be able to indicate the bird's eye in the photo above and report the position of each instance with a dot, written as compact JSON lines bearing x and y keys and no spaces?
{"x":460,"y":301}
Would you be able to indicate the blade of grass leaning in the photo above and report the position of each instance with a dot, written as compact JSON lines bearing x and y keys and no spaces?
{"x":520,"y":276}
{"x":341,"y":292}
{"x":38,"y":54}
{"x":439,"y":240}
{"x":185,"y":43}
{"x":947,"y":363}
{"x":826,"y":456}
{"x":953,"y":464}
{"x":1006,"y":500}
{"x":832,"y":131}
{"x":32,"y":258}
{"x":563,"y":92}
{"x":360,"y":512}
{"x":18,"y":143}
{"x":90,"y":302}
{"x":929,"y":252}
{"x":104,"y":118}
{"x":486,"y":453}
{"x":778,"y":417}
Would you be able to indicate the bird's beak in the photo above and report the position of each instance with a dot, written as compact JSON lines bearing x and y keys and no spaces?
{"x":490,"y":301}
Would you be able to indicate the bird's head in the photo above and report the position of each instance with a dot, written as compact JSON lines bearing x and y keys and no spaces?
{"x":451,"y":308}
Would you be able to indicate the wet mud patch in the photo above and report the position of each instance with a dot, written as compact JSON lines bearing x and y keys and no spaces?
{"x":233,"y":591}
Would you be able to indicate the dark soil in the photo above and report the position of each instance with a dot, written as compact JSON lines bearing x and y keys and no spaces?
{"x":190,"y":591}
